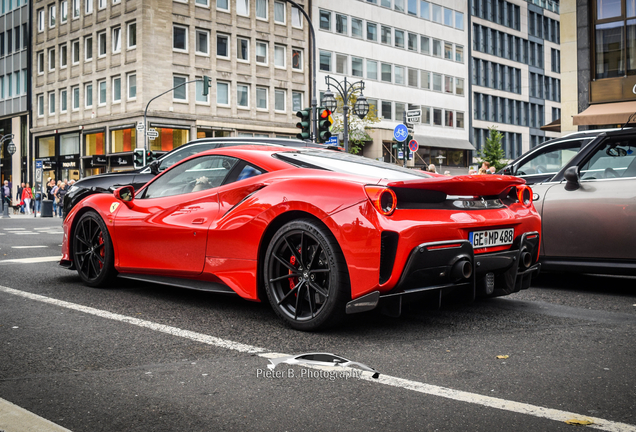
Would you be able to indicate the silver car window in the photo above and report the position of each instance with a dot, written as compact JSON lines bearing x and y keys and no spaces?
{"x":614,"y":159}
{"x":551,"y":160}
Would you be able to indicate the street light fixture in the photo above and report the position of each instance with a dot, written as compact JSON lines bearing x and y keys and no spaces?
{"x":345,"y":90}
{"x":11,"y":150}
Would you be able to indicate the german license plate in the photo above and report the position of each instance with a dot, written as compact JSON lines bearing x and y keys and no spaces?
{"x":490,"y":238}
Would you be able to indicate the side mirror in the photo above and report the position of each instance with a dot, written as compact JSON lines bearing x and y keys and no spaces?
{"x":507,"y":170}
{"x":125,"y":194}
{"x":154,"y":166}
{"x":572,"y":175}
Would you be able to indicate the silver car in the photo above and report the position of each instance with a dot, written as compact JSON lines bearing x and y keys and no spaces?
{"x":588,"y":208}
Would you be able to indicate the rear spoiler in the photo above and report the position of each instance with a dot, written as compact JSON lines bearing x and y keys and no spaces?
{"x":468,"y":185}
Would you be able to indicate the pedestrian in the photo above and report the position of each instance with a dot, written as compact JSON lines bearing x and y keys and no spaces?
{"x":19,"y":195}
{"x":6,"y":193}
{"x":61,"y":191}
{"x":482,"y":171}
{"x":37,"y":193}
{"x":27,"y":195}
{"x":492,"y":169}
{"x":485,"y":165}
{"x":431,"y":168}
{"x":447,"y":173}
{"x":52,"y":195}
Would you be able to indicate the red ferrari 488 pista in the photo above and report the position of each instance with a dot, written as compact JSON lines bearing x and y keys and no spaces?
{"x":319,"y":233}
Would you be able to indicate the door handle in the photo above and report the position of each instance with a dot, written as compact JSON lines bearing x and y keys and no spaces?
{"x":199,"y":220}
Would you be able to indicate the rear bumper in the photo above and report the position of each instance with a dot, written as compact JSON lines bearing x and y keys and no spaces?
{"x":446,"y":266}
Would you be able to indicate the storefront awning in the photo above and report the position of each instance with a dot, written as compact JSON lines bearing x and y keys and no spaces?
{"x":555,"y":126}
{"x":447,"y":143}
{"x":606,"y":114}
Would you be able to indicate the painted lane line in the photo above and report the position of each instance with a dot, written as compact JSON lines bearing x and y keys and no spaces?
{"x":25,"y":233}
{"x":46,"y":228}
{"x":174,"y":331}
{"x":31,"y":260}
{"x":433,"y":390}
{"x":27,"y":247}
{"x":14,"y":229}
{"x":16,"y":419}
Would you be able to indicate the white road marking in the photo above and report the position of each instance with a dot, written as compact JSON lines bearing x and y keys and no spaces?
{"x":46,"y":228}
{"x":16,"y":419}
{"x":26,"y":233}
{"x":27,"y":247}
{"x":32,"y":260}
{"x":433,"y":390}
{"x":14,"y":229}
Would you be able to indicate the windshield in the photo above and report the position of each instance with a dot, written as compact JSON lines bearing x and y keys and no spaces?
{"x":349,"y":164}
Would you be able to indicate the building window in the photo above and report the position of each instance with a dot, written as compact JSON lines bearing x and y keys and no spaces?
{"x":425,"y":80}
{"x":222,"y":46}
{"x":51,"y":103}
{"x":280,"y":54}
{"x":88,"y":95}
{"x":51,"y":59}
{"x":325,"y":61}
{"x":40,"y":105}
{"x":52,"y":11}
{"x":242,"y":95}
{"x":180,"y":38}
{"x":132,"y":35}
{"x":179,"y":93}
{"x":459,"y":120}
{"x":199,"y":96}
{"x":203,"y":42}
{"x":385,"y":35}
{"x":297,"y":59}
{"x":412,"y":41}
{"x":341,"y":24}
{"x":459,"y":53}
{"x":116,"y":40}
{"x":279,"y":12}
{"x":40,"y":62}
{"x":356,"y":67}
{"x":63,"y":56}
{"x":459,"y":24}
{"x":223,"y":5}
{"x":88,"y":48}
{"x":459,"y":86}
{"x":76,"y":9}
{"x":399,"y":38}
{"x":101,"y":44}
{"x":101,"y":4}
{"x":75,"y":104}
{"x":437,"y":14}
{"x":425,"y":45}
{"x":101,"y":92}
{"x":387,"y":74}
{"x":41,"y":21}
{"x":297,"y":101}
{"x":372,"y":32}
{"x":261,"y":9}
{"x":63,"y":101}
{"x":615,"y":39}
{"x":88,"y":9}
{"x":297,"y":19}
{"x":279,"y":100}
{"x":63,"y":11}
{"x":356,"y":28}
{"x":341,"y":64}
{"x":448,"y":84}
{"x":325,"y":20}
{"x":387,"y":110}
{"x":116,"y":89}
{"x":398,"y":72}
{"x":261,"y":52}
{"x":243,"y":49}
{"x":132,"y":86}
{"x":75,"y":51}
{"x":223,"y":93}
{"x":437,"y":82}
{"x":437,"y":117}
{"x":242,"y":7}
{"x":372,"y":69}
{"x":261,"y":98}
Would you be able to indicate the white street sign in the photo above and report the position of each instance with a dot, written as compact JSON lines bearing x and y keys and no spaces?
{"x":414,"y":113}
{"x":141,"y":126}
{"x":152,"y":133}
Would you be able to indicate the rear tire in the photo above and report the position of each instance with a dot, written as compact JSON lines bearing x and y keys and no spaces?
{"x":306,"y":276}
{"x":93,"y":251}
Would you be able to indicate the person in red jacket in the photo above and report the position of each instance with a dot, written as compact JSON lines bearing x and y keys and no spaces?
{"x":27,"y":195}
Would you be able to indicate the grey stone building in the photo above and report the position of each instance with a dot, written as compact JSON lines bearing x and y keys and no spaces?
{"x":97,"y":64}
{"x":14,"y":88}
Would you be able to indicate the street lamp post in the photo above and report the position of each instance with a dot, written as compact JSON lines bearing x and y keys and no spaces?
{"x":11,"y":150}
{"x":345,"y":90}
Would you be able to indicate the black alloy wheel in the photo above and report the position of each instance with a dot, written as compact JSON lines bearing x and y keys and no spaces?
{"x":306,"y":276}
{"x":93,"y":251}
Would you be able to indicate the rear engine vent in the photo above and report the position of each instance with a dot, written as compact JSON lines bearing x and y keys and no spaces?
{"x":388,"y":248}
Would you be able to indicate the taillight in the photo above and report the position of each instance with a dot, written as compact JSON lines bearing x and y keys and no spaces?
{"x":524,"y":195}
{"x":383,"y":199}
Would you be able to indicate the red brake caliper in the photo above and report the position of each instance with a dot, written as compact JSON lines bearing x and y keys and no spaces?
{"x":101,"y":251}
{"x":293,"y":281}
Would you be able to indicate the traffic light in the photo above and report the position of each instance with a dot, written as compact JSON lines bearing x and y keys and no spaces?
{"x":324,"y":123}
{"x":206,"y":85}
{"x":139,"y":157}
{"x":150,"y":156}
{"x":304,"y":124}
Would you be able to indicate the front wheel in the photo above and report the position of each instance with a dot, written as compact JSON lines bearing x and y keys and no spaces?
{"x":93,"y":251}
{"x":306,"y":276}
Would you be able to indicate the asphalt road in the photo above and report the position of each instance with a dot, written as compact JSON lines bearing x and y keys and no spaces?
{"x":144,"y":357}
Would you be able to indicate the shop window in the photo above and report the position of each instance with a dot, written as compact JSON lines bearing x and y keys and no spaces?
{"x":169,"y":139}
{"x":123,"y":140}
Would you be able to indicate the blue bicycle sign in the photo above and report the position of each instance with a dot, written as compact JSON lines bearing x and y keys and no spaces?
{"x":400,"y":132}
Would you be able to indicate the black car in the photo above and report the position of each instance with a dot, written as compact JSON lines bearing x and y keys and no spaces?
{"x":110,"y":181}
{"x":543,"y":162}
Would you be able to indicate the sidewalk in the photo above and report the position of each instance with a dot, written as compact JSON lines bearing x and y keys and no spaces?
{"x":26,"y":216}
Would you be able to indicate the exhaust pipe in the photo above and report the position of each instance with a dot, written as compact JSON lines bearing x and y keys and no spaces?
{"x":462,"y":269}
{"x":526,"y":259}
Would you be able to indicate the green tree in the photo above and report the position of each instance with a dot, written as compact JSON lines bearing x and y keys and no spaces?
{"x":493,"y":152}
{"x":358,"y":135}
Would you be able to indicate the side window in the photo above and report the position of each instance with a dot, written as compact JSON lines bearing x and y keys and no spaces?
{"x":613,"y":159}
{"x":195,"y":175}
{"x":183,"y":153}
{"x":248,"y":171}
{"x":550,"y":160}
